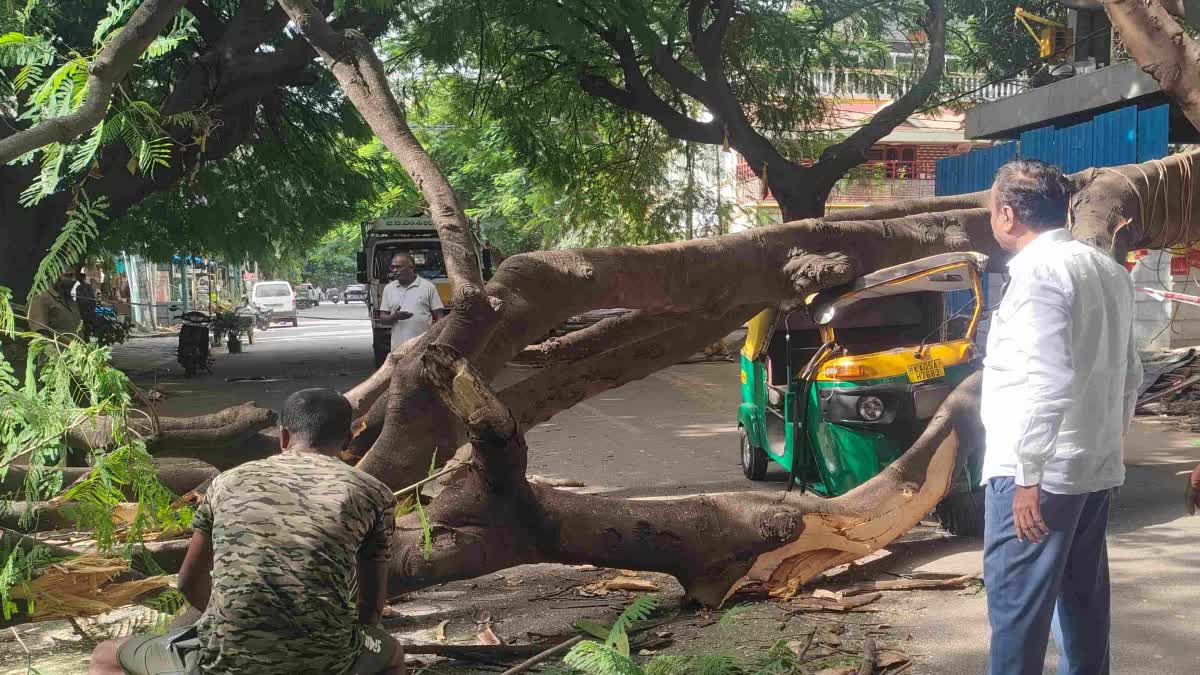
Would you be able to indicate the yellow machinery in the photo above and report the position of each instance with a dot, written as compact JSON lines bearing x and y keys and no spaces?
{"x":1053,"y":38}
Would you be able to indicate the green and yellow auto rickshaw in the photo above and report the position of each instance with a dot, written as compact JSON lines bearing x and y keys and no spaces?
{"x":840,"y":388}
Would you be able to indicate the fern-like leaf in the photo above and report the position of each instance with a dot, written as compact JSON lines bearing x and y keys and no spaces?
{"x":638,"y":610}
{"x":70,"y":244}
{"x":117,"y":12}
{"x":46,"y":182}
{"x":86,"y":152}
{"x":64,"y":79}
{"x":8,"y":318}
{"x":18,"y":49}
{"x":182,"y":30}
{"x":594,"y":658}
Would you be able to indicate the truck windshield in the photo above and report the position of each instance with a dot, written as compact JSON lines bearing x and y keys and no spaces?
{"x":272,"y":291}
{"x":428,"y":260}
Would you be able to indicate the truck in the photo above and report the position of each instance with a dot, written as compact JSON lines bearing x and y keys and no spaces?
{"x":416,"y":236}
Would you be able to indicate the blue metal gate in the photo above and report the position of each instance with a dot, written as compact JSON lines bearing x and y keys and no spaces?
{"x":1123,"y":136}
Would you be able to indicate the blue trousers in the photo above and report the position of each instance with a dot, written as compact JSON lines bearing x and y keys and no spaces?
{"x":1060,"y":583}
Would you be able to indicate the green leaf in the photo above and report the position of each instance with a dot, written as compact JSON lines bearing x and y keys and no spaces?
{"x":638,"y":610}
{"x":594,"y":658}
{"x":86,"y":152}
{"x":182,"y":30}
{"x":117,"y":12}
{"x":593,"y":628}
{"x":70,"y":245}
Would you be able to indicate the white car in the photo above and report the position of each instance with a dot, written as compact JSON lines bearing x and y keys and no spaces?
{"x":278,"y":297}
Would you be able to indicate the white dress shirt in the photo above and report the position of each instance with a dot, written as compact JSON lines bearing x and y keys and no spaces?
{"x":1061,"y":374}
{"x":420,"y":297}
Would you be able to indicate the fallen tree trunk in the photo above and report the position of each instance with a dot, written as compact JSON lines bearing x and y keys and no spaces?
{"x":179,"y":475}
{"x":489,"y":517}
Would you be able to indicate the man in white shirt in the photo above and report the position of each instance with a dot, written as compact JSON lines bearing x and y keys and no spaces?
{"x":410,"y":301}
{"x":1059,"y":384}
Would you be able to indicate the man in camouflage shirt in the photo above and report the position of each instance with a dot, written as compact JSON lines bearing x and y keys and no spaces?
{"x":272,"y":564}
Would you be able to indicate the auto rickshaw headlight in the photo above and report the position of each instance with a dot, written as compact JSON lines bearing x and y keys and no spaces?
{"x":870,"y":408}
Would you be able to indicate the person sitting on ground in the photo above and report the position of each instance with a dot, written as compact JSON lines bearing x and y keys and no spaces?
{"x":272,"y":561}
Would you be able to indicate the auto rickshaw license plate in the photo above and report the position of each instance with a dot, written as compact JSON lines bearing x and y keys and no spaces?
{"x":926,"y":370}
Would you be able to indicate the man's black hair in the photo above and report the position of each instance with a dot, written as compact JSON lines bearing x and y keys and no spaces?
{"x":318,"y":417}
{"x":1037,"y":193}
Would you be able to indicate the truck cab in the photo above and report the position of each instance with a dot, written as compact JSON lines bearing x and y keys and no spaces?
{"x":416,"y":236}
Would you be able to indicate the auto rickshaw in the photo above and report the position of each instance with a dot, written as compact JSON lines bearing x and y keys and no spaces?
{"x":836,"y":390}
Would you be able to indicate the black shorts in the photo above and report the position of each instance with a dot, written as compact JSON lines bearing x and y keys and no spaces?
{"x":178,"y":651}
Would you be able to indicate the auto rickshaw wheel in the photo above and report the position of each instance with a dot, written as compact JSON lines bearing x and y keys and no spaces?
{"x":753,"y":460}
{"x":961,"y":513}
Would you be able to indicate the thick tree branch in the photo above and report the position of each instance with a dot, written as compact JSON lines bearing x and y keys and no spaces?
{"x":551,"y":390}
{"x":1162,"y":48}
{"x":352,"y":60}
{"x":839,"y":158}
{"x":492,"y":519}
{"x":638,"y":96}
{"x":208,"y":22}
{"x":108,"y":67}
{"x":609,"y":333}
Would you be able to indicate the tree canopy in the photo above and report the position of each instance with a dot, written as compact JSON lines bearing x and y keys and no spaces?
{"x":227,"y":140}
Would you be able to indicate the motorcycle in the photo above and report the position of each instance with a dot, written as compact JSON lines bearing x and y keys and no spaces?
{"x":105,"y":327}
{"x":193,"y":351}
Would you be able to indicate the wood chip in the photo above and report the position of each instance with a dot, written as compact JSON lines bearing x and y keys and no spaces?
{"x":891,"y":658}
{"x":909,"y":584}
{"x":621,"y":583}
{"x":830,"y":605}
{"x":483,"y":629}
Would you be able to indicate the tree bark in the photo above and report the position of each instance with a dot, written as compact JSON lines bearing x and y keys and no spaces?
{"x":180,"y":476}
{"x":1162,"y":48}
{"x":489,"y":517}
{"x":352,"y":60}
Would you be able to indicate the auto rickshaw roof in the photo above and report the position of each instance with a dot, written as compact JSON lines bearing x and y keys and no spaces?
{"x":926,"y":274}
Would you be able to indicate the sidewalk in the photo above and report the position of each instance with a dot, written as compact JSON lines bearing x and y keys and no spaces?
{"x":1154,"y":552}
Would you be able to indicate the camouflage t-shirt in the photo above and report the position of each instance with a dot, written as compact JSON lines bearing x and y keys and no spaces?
{"x":286,"y":534}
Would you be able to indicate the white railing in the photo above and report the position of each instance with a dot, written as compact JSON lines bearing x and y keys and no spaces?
{"x":882,"y":84}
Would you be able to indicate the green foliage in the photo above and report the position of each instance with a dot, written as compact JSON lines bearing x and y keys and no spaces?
{"x":331,"y":262}
{"x":729,"y":618}
{"x":594,"y":658}
{"x":612,"y":657}
{"x":638,"y":610}
{"x":987,"y":38}
{"x":69,"y":385}
{"x":413,"y":503}
{"x":20,"y":567}
{"x":71,"y":243}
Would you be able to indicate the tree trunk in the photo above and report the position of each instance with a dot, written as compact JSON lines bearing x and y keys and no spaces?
{"x":25,"y":234}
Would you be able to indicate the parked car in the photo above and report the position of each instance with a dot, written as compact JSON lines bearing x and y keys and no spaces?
{"x":278,"y":297}
{"x":356,"y":292}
